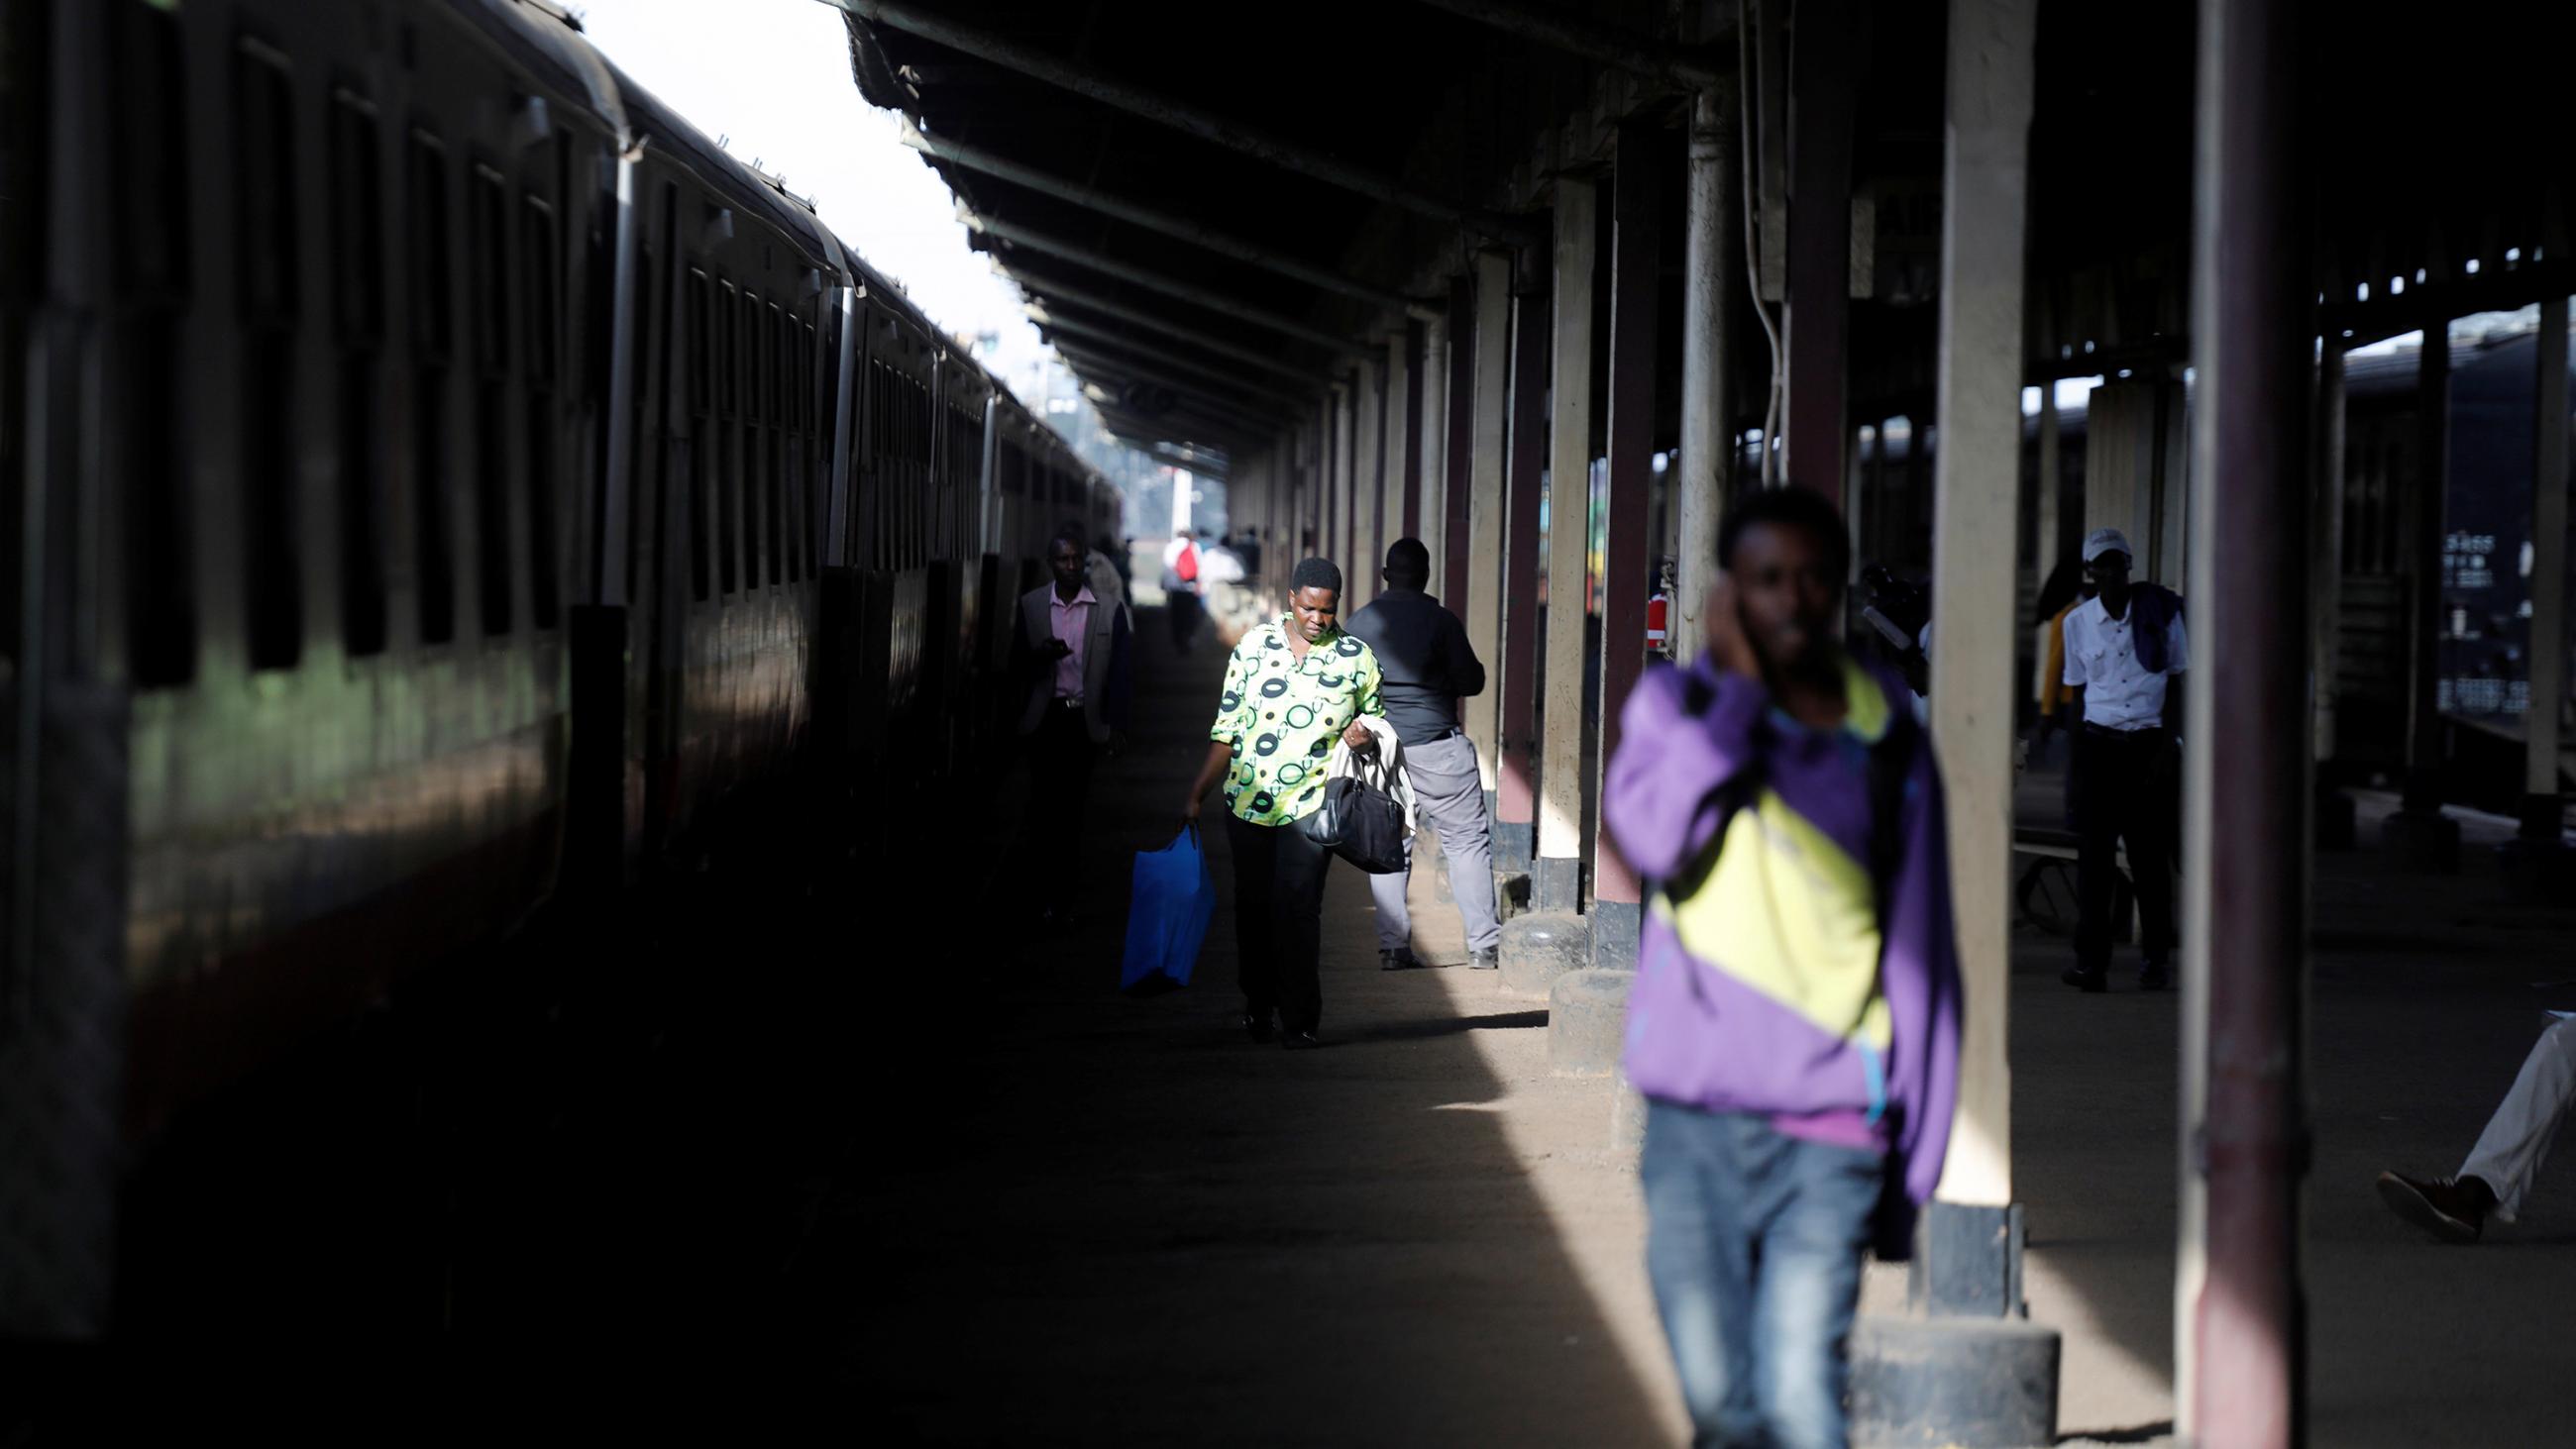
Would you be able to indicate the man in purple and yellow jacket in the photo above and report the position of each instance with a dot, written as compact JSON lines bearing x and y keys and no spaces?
{"x":1794,"y":1025}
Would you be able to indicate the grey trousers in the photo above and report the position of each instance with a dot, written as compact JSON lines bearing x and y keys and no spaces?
{"x":1449,"y":797}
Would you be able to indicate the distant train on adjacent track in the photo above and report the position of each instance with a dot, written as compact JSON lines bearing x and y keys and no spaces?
{"x":436,"y":474}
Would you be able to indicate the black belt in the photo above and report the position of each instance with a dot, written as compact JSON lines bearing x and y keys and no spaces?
{"x":1062,"y":702}
{"x":1435,"y":739}
{"x":2106,"y":732}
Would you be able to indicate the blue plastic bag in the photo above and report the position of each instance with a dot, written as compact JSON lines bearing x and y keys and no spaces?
{"x":1170,"y":901}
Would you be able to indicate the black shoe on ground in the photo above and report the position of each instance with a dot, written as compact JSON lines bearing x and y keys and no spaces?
{"x":2154,"y":976}
{"x":1299,"y":1041}
{"x":2083,"y":980}
{"x":1257,"y":1025}
{"x":2453,"y":1209}
{"x":1488,"y":959}
{"x":1399,"y":959}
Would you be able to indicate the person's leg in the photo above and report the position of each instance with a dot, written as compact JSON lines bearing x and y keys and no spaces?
{"x":1297,"y":913}
{"x":2517,"y":1138}
{"x":1255,"y":907}
{"x":1059,"y":794}
{"x":2096,"y":864}
{"x":1451,"y":796}
{"x":1700,"y":1261}
{"x":1394,"y":913}
{"x":1807,"y":1287}
{"x":2149,"y":833}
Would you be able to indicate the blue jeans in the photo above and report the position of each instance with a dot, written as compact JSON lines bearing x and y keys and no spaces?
{"x":1754,"y":1241}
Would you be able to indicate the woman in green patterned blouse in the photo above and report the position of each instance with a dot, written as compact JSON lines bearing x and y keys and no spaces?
{"x":1294,"y":685}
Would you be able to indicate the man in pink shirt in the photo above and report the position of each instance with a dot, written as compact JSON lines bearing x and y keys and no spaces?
{"x":1073,"y":652}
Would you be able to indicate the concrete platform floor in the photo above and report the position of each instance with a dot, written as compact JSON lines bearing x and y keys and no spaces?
{"x":1101,"y":1219}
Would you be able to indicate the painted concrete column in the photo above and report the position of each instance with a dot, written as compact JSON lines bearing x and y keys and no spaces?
{"x":1459,"y":563}
{"x":1635,"y":260}
{"x":1395,"y":454}
{"x":2239,"y":1350}
{"x":1428,"y":507}
{"x":1708,"y":404}
{"x":1557,"y":885}
{"x":1489,"y":403}
{"x":1553,"y":938}
{"x":2419,"y":831}
{"x":2052,"y":503}
{"x":1976,"y":506}
{"x":1525,"y":464}
{"x":2544,"y":808}
{"x":1368,"y":496}
{"x":2334,"y":809}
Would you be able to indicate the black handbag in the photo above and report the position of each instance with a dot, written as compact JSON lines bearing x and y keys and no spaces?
{"x":1360,"y":820}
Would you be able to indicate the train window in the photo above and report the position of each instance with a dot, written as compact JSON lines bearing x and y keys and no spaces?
{"x":358,"y":304}
{"x":487,"y":230}
{"x":542,"y":295}
{"x":728,"y":464}
{"x":539,"y":257}
{"x":147,"y":405}
{"x":700,"y":351}
{"x":425,"y":238}
{"x":747,"y":323}
{"x":264,"y":244}
{"x":357,"y":221}
{"x":780,"y":390}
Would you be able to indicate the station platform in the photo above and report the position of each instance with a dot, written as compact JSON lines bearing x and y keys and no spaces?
{"x":821,"y":1138}
{"x":1114,"y":1219}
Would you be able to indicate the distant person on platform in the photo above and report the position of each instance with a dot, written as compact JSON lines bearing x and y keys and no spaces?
{"x":1073,"y":651}
{"x":1294,"y":685}
{"x":1181,"y":589}
{"x":2508,"y":1154}
{"x":1427,"y":666}
{"x":1794,"y":1024}
{"x":2124,"y":648}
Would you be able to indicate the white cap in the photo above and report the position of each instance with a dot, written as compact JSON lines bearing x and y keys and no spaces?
{"x":2105,"y":540}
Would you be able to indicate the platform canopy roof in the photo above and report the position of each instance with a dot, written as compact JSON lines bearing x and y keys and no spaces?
{"x":1215,"y":210}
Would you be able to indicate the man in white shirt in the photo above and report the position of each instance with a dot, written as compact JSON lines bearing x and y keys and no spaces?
{"x":2124,"y":649}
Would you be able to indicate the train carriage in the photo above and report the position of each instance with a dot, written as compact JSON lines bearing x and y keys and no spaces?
{"x":435,"y":473}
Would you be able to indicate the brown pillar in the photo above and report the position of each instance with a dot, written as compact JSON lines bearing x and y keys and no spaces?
{"x":1635,"y":218}
{"x":1456,"y":460}
{"x":1524,"y":458}
{"x":2239,"y":1312}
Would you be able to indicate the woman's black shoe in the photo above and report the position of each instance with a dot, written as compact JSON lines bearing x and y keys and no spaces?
{"x":1300,"y":1041}
{"x":1257,"y":1025}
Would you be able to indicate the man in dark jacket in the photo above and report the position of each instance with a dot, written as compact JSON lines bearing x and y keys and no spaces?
{"x":1073,"y":656}
{"x":1427,"y":666}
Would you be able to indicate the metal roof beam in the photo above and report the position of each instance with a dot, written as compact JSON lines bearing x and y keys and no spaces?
{"x":1133,"y":426}
{"x":1641,"y":55}
{"x":1208,"y":297}
{"x":1046,"y":316}
{"x":1256,"y":399}
{"x":1182,"y":116}
{"x":1154,"y":218}
{"x":1242,"y":417}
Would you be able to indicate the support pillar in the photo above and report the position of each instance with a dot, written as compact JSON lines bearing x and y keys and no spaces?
{"x":1403,"y":481}
{"x":1964,"y":1366}
{"x":1457,"y":458}
{"x":1430,"y":509}
{"x":2537,"y":861}
{"x":1635,"y":260}
{"x":2335,"y":825}
{"x":1708,"y":405}
{"x":1553,"y":939}
{"x":1525,"y":450}
{"x":2240,"y":1350}
{"x":1368,"y":498}
{"x":1824,"y":53}
{"x":1486,"y":397}
{"x":2419,"y":832}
